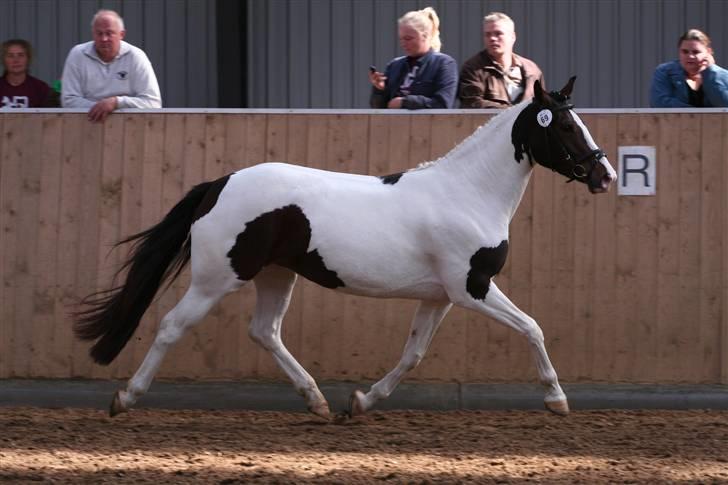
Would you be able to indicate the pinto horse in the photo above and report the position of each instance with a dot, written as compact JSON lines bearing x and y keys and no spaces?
{"x":437,"y":233}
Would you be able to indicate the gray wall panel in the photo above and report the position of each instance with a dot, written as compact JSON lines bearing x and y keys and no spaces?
{"x":299,"y":74}
{"x":612,"y":46}
{"x":321,"y":58}
{"x":363,"y":52}
{"x":177,"y":35}
{"x":342,"y":54}
{"x":279,"y":52}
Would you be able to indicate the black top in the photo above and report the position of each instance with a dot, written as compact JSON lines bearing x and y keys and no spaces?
{"x":695,"y":98}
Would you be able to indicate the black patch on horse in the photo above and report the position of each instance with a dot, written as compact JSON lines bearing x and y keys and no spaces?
{"x":391,"y":179}
{"x":280,"y":237}
{"x":210,"y":199}
{"x":520,"y":135}
{"x":485,"y":263}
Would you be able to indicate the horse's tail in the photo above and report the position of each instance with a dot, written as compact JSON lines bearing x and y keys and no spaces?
{"x":112,"y":315}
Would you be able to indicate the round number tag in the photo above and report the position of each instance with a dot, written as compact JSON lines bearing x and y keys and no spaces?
{"x":544,"y":117}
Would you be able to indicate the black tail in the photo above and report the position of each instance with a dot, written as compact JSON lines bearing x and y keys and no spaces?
{"x":113,"y":315}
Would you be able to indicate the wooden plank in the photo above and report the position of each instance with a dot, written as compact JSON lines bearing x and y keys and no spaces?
{"x":186,"y":358}
{"x":65,"y":351}
{"x":219,"y":344}
{"x":171,"y":191}
{"x":109,"y":213}
{"x":4,"y":323}
{"x":690,"y":242}
{"x":606,"y":319}
{"x":14,"y":135}
{"x":27,"y":155}
{"x":45,"y":291}
{"x":628,"y":289}
{"x":150,"y":196}
{"x":723,"y":379}
{"x":561,"y":339}
{"x":668,"y":245}
{"x":645,"y":333}
{"x":315,"y":350}
{"x":706,"y":365}
{"x":88,"y":227}
{"x":130,"y":222}
{"x":582,"y":327}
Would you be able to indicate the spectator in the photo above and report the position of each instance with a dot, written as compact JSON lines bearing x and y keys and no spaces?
{"x":18,"y":89}
{"x":693,"y":80}
{"x":107,"y":73}
{"x":496,"y":77}
{"x":423,"y":77}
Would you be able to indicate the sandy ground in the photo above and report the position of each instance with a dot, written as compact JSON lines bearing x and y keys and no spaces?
{"x":153,"y":446}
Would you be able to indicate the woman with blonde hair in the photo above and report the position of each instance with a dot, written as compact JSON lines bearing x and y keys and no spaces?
{"x":422,"y":78}
{"x":693,"y":80}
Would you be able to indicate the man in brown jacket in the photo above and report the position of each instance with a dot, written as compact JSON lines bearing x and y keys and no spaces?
{"x":496,"y":77}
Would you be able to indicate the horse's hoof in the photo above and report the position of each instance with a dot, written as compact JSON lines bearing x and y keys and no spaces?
{"x":560,"y":408}
{"x":116,"y":406}
{"x":356,"y":406}
{"x":322,"y":410}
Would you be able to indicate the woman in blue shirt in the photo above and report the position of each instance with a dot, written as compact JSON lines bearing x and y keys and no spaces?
{"x":693,"y":80}
{"x":423,"y":77}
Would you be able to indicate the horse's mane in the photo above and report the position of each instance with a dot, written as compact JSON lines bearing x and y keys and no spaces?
{"x":488,"y":125}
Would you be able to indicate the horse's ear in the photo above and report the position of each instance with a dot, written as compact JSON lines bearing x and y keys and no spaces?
{"x":566,"y":90}
{"x":538,"y":92}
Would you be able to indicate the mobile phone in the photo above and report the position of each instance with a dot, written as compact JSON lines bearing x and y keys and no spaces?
{"x":372,"y":68}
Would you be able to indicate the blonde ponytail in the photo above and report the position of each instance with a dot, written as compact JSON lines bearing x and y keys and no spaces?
{"x":425,"y":22}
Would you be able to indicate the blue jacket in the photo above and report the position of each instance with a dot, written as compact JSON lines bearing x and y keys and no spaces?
{"x":669,"y":90}
{"x":435,"y":85}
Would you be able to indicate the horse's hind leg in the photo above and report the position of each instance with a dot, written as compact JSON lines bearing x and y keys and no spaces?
{"x":191,"y":309}
{"x":274,"y":285}
{"x":498,"y":306}
{"x":427,"y":318}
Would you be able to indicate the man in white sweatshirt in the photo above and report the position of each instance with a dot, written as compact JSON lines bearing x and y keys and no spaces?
{"x":108,"y":73}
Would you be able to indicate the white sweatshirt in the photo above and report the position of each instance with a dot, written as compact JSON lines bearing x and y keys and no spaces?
{"x":130,"y":77}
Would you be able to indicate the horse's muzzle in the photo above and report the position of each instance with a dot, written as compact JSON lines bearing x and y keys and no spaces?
{"x":601,"y":177}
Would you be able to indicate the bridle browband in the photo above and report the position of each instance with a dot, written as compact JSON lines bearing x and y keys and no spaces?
{"x":579,"y":171}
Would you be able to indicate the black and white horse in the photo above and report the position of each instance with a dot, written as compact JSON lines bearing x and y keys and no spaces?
{"x":437,"y":233}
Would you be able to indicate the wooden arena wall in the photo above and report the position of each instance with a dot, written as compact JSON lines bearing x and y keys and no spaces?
{"x":626,"y":289}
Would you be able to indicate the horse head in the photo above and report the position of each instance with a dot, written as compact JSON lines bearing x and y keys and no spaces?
{"x":553,"y":135}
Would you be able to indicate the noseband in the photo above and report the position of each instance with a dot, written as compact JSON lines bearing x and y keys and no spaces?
{"x":579,"y":170}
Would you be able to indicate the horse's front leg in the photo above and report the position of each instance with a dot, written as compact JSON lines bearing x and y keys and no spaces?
{"x":498,"y":306}
{"x":424,"y":324}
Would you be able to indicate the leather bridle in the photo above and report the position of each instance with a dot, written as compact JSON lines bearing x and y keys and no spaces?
{"x":579,"y":170}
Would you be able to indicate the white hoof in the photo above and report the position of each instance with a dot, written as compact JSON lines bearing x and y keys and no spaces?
{"x":356,"y":403}
{"x":560,"y":408}
{"x":116,"y":406}
{"x":321,"y":409}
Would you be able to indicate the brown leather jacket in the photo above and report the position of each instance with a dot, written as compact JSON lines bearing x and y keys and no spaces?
{"x":482,"y":84}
